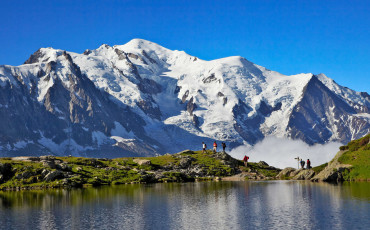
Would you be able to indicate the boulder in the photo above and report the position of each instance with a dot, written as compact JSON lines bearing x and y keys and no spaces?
{"x":48,"y":164}
{"x":64,"y":167}
{"x":158,"y":175}
{"x":44,"y":172}
{"x":305,"y":174}
{"x":24,"y":175}
{"x":27,"y":159}
{"x":296,"y":172}
{"x":53,"y":175}
{"x":186,"y":162}
{"x":142,"y":162}
{"x":197,"y":171}
{"x":148,"y":178}
{"x":262,"y":163}
{"x":285,"y":172}
{"x":47,"y":158}
{"x":330,"y":174}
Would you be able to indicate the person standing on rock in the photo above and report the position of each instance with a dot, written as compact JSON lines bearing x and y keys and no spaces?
{"x":223,"y":146}
{"x":214,"y":146}
{"x":308,"y":164}
{"x":204,"y":146}
{"x":245,"y":159}
{"x":302,"y":163}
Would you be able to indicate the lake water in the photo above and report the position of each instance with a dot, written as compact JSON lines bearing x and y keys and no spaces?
{"x":204,"y":205}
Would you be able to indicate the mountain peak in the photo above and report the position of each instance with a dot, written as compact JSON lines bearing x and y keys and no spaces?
{"x":140,"y":43}
{"x":43,"y":55}
{"x":137,"y":45}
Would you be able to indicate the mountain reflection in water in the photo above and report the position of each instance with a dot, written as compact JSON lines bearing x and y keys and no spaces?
{"x":210,"y":205}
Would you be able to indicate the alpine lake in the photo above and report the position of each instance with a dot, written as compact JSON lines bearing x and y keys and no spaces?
{"x":195,"y":205}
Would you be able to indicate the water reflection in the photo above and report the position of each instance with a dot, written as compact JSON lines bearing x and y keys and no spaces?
{"x":214,"y":205}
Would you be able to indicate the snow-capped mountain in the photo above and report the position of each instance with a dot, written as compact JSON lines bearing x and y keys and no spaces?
{"x":143,"y":99}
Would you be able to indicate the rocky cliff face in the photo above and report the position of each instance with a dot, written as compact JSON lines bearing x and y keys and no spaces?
{"x":322,"y":115}
{"x":143,"y":99}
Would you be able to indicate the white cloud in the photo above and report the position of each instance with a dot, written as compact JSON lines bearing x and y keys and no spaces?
{"x":280,"y":152}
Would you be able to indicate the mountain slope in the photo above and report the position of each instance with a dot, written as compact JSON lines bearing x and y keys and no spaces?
{"x":142,"y":99}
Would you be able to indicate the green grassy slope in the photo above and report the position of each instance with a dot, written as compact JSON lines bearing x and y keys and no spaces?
{"x":357,"y":155}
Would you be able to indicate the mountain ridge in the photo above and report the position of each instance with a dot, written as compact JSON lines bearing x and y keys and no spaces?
{"x":176,"y":99}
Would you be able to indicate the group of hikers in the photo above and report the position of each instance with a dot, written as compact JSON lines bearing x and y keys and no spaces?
{"x":246,"y":158}
{"x":204,"y":147}
{"x":302,"y":162}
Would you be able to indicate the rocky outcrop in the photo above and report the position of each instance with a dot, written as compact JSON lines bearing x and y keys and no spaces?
{"x":296,"y":174}
{"x":304,"y":174}
{"x":285,"y":173}
{"x":333,"y":171}
{"x":53,"y":175}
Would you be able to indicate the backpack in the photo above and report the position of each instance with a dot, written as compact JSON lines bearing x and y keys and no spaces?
{"x":205,"y":145}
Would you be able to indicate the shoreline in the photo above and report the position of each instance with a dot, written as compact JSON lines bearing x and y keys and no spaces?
{"x":39,"y":173}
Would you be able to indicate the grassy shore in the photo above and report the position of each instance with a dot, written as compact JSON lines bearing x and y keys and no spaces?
{"x":55,"y":172}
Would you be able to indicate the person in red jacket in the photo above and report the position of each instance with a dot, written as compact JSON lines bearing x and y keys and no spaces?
{"x":214,"y":146}
{"x":308,"y":163}
{"x":245,"y":159}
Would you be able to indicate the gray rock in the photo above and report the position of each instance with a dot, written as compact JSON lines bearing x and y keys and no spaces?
{"x":186,"y":162}
{"x":197,"y":171}
{"x":330,"y":175}
{"x":64,"y":167}
{"x":142,"y":161}
{"x":48,"y":164}
{"x":296,"y":172}
{"x":262,"y":163}
{"x":47,"y":158}
{"x":148,"y":178}
{"x":26,"y":159}
{"x":285,"y":172}
{"x":24,"y":175}
{"x":305,"y":174}
{"x":158,"y":175}
{"x":44,"y":172}
{"x":53,"y":175}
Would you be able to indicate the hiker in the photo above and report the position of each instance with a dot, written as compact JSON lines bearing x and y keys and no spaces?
{"x":214,"y":146}
{"x":308,"y":163}
{"x":223,"y":146}
{"x":245,"y":159}
{"x":302,"y":163}
{"x":204,"y":147}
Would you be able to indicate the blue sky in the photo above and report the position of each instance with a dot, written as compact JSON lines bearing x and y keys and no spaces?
{"x":290,"y":37}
